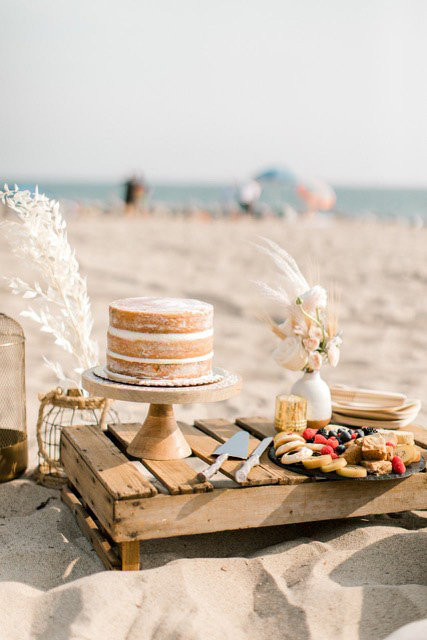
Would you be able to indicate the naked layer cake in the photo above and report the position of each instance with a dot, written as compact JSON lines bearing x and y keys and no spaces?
{"x":160,"y":338}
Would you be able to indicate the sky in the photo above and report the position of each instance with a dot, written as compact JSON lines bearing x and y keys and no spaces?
{"x":214,"y":90}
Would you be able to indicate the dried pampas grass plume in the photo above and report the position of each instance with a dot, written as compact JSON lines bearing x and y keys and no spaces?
{"x":310,"y":314}
{"x":291,"y":281}
{"x":332,"y":311}
{"x":63,"y":306}
{"x":265,"y":317}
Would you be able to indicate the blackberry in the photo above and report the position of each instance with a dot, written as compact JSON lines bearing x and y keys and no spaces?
{"x":368,"y":431}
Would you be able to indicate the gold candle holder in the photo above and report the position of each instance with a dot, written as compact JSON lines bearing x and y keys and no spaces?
{"x":291,"y":413}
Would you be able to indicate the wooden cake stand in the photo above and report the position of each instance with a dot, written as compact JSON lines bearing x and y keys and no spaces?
{"x":160,"y":437}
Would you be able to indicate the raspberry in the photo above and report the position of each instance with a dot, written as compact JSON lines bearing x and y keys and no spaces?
{"x":309,"y":434}
{"x":318,"y":439}
{"x":397,"y":465}
{"x":333,"y":442}
{"x":326,"y":450}
{"x":390,"y":444}
{"x":353,"y":436}
{"x":334,"y":455}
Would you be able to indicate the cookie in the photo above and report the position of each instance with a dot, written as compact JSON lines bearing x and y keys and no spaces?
{"x":373,"y":448}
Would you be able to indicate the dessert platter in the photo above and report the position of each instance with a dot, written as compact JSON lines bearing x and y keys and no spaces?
{"x":160,"y":351}
{"x":338,"y":452}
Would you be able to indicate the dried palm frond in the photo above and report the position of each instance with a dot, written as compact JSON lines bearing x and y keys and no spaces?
{"x":63,"y":306}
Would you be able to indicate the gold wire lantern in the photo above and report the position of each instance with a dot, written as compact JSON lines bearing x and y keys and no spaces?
{"x":13,"y":427}
{"x":58,"y":410}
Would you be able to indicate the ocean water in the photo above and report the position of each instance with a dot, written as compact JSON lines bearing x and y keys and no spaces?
{"x":382,"y":202}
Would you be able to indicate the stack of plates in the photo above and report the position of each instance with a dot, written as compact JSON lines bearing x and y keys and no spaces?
{"x":364,"y":407}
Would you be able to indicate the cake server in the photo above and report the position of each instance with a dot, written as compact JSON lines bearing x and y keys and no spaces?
{"x":236,"y":447}
{"x":241,"y":474}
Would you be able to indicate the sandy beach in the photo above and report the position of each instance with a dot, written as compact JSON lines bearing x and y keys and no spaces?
{"x":354,"y":579}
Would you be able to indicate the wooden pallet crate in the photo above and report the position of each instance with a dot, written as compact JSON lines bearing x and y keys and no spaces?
{"x":119,"y":502}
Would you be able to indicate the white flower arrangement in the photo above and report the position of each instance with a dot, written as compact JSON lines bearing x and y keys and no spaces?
{"x":308,"y":334}
{"x":63,"y":305}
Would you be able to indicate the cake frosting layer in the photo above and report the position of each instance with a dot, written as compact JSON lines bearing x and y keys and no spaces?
{"x":162,"y":338}
{"x":207,"y":356}
{"x":157,"y":371}
{"x":161,"y":315}
{"x":158,"y":337}
{"x":163,"y":348}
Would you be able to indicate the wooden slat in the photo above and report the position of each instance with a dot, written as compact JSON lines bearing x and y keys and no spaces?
{"x":176,"y":475}
{"x":259,"y":426}
{"x":167,"y":516}
{"x":84,"y":479}
{"x":114,"y":471}
{"x":223,"y":429}
{"x":91,"y":530}
{"x":204,"y":445}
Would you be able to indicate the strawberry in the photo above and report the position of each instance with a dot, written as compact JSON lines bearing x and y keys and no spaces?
{"x":397,"y":465}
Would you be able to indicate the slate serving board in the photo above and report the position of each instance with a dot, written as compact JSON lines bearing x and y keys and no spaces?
{"x":416,"y":467}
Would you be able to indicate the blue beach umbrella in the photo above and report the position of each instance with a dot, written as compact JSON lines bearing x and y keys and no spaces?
{"x":280,"y":175}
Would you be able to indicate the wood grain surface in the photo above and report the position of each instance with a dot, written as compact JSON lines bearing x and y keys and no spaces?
{"x":228,"y":387}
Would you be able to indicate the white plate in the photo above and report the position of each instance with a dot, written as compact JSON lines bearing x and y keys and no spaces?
{"x":367,"y":398}
{"x":367,"y":422}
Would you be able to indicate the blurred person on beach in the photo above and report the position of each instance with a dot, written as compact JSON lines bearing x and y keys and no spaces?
{"x":135,"y":191}
{"x":248,"y":195}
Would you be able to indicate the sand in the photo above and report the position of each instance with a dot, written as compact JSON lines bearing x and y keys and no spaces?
{"x":362,"y":578}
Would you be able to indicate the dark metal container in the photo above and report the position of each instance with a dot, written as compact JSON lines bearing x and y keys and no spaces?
{"x":13,"y":427}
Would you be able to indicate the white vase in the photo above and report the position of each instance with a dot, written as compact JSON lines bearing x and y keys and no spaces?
{"x":318,"y":396}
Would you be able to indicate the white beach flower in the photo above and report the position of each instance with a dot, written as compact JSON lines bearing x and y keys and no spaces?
{"x":311,"y":344}
{"x":287,"y":327}
{"x":333,"y":351}
{"x":300,"y":329}
{"x":314,"y":298}
{"x":291,"y":354}
{"x":315,"y":360}
{"x":315,"y":332}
